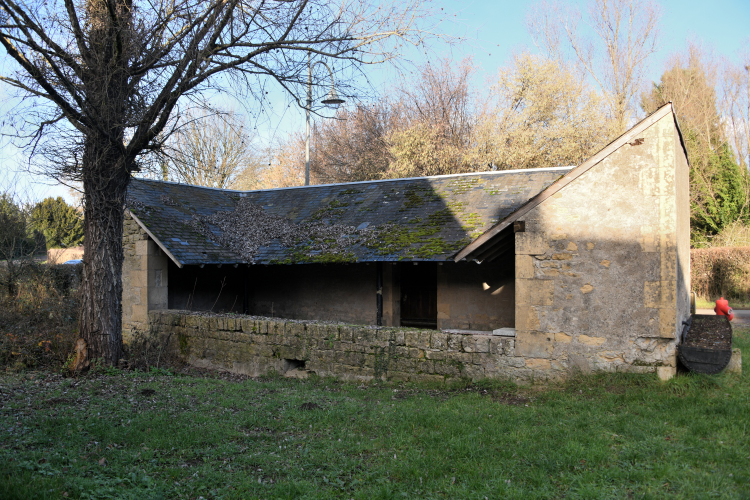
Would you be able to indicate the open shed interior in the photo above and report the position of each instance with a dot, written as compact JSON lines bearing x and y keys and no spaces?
{"x":460,"y":296}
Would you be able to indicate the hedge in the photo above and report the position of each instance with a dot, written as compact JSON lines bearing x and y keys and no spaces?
{"x":722,"y":271}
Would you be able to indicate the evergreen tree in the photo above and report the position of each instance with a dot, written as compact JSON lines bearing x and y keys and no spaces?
{"x":719,"y":188}
{"x":12,"y":228}
{"x":60,"y":223}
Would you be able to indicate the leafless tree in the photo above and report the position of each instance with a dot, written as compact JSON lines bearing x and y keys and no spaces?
{"x":104,"y":81}
{"x":354,"y":146}
{"x":209,"y":150}
{"x":614,"y":50}
{"x":284,"y":161}
{"x":436,"y":117}
{"x":735,"y":105}
{"x":719,"y":189}
{"x":690,"y":82}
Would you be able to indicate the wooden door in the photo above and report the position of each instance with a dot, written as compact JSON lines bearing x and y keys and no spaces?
{"x":419,"y":295}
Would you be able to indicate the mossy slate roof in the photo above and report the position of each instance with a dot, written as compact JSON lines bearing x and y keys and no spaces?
{"x":420,"y":219}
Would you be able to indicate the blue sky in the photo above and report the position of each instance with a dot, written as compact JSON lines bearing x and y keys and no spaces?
{"x":493,"y":31}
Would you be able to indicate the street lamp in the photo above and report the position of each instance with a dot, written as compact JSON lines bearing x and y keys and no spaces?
{"x":332,"y":100}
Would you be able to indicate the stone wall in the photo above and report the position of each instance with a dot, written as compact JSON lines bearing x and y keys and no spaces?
{"x":600,"y":283}
{"x":144,"y":279}
{"x":255,"y":346}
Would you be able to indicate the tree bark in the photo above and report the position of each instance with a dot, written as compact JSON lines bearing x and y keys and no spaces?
{"x":101,"y":288}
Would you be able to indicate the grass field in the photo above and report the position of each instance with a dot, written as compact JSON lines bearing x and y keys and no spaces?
{"x":159,"y":435}
{"x":701,"y":303}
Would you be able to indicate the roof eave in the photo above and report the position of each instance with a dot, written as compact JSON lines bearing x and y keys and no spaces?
{"x":153,"y":237}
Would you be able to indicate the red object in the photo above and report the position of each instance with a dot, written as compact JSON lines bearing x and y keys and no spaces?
{"x":722,"y":309}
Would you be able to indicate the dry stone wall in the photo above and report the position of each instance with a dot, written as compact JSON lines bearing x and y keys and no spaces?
{"x":254,"y":346}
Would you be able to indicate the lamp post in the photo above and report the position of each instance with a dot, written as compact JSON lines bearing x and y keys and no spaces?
{"x":332,"y":99}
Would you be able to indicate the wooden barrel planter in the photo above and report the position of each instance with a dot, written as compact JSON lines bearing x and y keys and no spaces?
{"x":706,"y":344}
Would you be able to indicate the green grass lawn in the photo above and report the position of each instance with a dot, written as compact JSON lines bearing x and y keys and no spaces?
{"x":156,"y":435}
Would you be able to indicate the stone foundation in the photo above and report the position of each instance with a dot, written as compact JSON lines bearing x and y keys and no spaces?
{"x":255,"y":346}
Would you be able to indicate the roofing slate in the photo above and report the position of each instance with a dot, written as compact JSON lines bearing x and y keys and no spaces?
{"x":416,"y":219}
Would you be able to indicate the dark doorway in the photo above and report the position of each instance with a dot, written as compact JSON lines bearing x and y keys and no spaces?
{"x":419,"y":295}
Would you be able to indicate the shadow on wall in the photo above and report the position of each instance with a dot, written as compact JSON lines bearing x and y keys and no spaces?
{"x":210,"y":288}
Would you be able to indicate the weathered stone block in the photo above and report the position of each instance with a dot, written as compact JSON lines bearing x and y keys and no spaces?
{"x":403,"y":365}
{"x":659,"y":294}
{"x":524,"y":267}
{"x":562,"y":338}
{"x":668,"y":322}
{"x":531,"y":243}
{"x":538,"y":364}
{"x":455,"y":342}
{"x":481,"y":343}
{"x":141,"y":247}
{"x":461,"y":357}
{"x":496,"y":345}
{"x":527,"y":318}
{"x":474,"y":372}
{"x":343,"y":333}
{"x":447,"y":368}
{"x":735,"y":362}
{"x":295,"y":329}
{"x":398,"y":336}
{"x":424,"y":366}
{"x":439,"y":340}
{"x":536,"y":292}
{"x":533,"y":344}
{"x":666,"y":372}
{"x":411,"y":338}
{"x":435,"y":355}
{"x":399,"y":376}
{"x":248,"y":325}
{"x":591,"y":341}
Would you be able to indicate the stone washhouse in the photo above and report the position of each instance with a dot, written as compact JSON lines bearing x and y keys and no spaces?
{"x":522,"y":274}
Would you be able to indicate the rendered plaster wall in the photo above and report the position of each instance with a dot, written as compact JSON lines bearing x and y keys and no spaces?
{"x":476,"y":296}
{"x":323,"y":292}
{"x":254,"y":346}
{"x":601,"y":268}
{"x":144,"y":279}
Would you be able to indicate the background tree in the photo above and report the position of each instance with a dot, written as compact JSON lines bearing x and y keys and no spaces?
{"x":104,"y":79}
{"x":354,"y":146}
{"x":16,"y":247}
{"x":436,"y":118}
{"x":209,"y":150}
{"x":613,"y":51}
{"x":736,"y":107}
{"x":719,"y":188}
{"x":283,"y":165}
{"x":543,"y":115}
{"x":61,"y":224}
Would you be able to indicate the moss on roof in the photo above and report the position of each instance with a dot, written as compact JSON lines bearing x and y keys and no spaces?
{"x":420,"y":219}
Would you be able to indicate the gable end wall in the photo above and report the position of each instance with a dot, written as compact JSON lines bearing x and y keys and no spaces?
{"x":600,"y":277}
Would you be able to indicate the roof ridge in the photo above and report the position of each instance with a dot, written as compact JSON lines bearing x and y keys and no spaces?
{"x":443,"y":176}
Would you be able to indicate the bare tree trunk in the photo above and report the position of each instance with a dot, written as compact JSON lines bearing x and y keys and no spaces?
{"x":101,"y":287}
